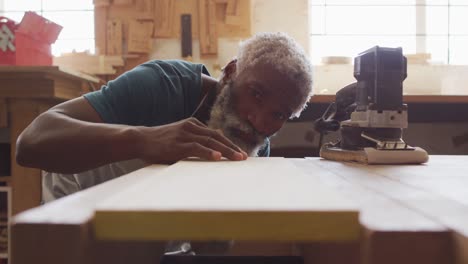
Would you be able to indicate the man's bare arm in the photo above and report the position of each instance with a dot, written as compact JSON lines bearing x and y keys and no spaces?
{"x":71,"y":138}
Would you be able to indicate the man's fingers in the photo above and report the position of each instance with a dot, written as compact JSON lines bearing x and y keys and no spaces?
{"x":215,"y":145}
{"x":207,"y":132}
{"x":198,"y":122}
{"x":197,"y":150}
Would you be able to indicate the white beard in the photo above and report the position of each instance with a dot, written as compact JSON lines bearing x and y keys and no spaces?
{"x":224,"y":118}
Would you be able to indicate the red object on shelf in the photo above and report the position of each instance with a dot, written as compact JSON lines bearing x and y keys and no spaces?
{"x":7,"y":41}
{"x":31,"y":40}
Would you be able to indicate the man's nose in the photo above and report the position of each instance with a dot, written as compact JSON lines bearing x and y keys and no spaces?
{"x":259,"y":122}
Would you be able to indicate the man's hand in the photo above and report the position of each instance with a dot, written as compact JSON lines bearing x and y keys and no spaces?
{"x":183,"y":139}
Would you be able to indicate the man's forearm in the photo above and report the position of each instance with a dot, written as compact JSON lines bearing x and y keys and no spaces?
{"x":58,"y":143}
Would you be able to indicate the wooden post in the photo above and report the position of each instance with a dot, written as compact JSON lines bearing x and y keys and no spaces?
{"x":114,"y":37}
{"x":26,"y":182}
{"x":207,"y":27}
{"x":100,"y":24}
{"x":3,"y":113}
{"x":163,"y":18}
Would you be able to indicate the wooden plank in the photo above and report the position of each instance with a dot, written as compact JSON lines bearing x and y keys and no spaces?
{"x":100,"y":3}
{"x":5,"y":215}
{"x":237,"y":24}
{"x":164,"y":18}
{"x":443,"y":99}
{"x":40,"y":233}
{"x":3,"y":113}
{"x":145,"y":9}
{"x":122,"y":2}
{"x":461,"y":249}
{"x":258,"y":200}
{"x":377,"y":211}
{"x":22,"y":88}
{"x":20,"y":72}
{"x":139,"y":36}
{"x":231,"y":8}
{"x":207,"y":27}
{"x":233,"y":13}
{"x":64,"y":88}
{"x":25,"y":182}
{"x":444,"y":176}
{"x":82,"y":62}
{"x":100,"y":29}
{"x":435,"y":99}
{"x":389,"y":226}
{"x":451,"y":213}
{"x":444,"y":181}
{"x":57,"y":87}
{"x":114,"y":37}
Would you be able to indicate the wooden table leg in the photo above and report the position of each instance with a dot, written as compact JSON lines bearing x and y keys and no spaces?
{"x":331,"y":253}
{"x":75,"y":244}
{"x":3,"y":113}
{"x":25,"y":182}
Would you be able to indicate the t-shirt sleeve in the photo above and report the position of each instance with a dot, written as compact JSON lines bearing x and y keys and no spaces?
{"x":153,"y":93}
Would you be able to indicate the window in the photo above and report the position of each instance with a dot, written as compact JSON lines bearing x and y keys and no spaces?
{"x":347,"y":27}
{"x":76,"y":18}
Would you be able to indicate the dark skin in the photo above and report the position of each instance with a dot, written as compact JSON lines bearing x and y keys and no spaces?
{"x":71,"y":137}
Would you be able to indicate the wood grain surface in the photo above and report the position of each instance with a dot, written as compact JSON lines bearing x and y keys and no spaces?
{"x":258,"y":199}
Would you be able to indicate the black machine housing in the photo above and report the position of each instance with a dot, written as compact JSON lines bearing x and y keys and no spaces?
{"x":372,"y":109}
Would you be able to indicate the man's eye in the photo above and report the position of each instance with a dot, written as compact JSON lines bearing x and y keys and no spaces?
{"x":280,"y":116}
{"x":257,"y":94}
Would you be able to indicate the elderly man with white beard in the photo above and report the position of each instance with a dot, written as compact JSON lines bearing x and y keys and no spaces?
{"x":165,"y":111}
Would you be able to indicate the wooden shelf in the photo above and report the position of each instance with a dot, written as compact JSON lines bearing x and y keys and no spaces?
{"x":5,"y":178}
{"x":3,"y":255}
{"x":438,"y":99}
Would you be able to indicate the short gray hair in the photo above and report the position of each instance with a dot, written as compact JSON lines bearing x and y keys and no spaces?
{"x":284,"y":54}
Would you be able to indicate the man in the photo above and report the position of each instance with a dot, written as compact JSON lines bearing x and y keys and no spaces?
{"x":165,"y":111}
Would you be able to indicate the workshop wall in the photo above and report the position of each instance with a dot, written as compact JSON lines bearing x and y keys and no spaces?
{"x":264,"y":17}
{"x":140,"y":30}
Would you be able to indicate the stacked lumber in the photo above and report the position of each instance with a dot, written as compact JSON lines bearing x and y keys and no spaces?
{"x":90,"y":64}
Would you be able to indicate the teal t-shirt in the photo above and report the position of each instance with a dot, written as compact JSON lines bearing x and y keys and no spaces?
{"x":153,"y":94}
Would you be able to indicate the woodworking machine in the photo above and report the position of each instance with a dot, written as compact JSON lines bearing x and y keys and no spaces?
{"x":370,"y":114}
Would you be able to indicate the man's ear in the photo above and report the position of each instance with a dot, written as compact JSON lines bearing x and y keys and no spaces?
{"x":229,"y":71}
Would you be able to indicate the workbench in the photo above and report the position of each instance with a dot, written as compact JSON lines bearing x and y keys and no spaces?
{"x":25,"y":92}
{"x":405,"y":213}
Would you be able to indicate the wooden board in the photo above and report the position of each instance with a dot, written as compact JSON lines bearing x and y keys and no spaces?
{"x":114,"y":37}
{"x":207,"y":27}
{"x":100,"y":3}
{"x":100,"y":29}
{"x":122,"y":2}
{"x":392,"y":232}
{"x":3,"y":113}
{"x":164,"y":13}
{"x":90,"y":64}
{"x":233,"y":13}
{"x":26,"y":191}
{"x":139,"y":36}
{"x":258,"y":199}
{"x":50,"y":82}
{"x":66,"y":223}
{"x":145,"y":9}
{"x":442,"y":99}
{"x":441,"y":204}
{"x":233,"y":19}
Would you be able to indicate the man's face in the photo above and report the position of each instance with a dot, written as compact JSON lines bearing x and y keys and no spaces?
{"x":254,"y":105}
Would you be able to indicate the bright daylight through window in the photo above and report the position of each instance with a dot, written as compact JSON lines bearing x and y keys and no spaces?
{"x":436,"y":28}
{"x":76,"y":17}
